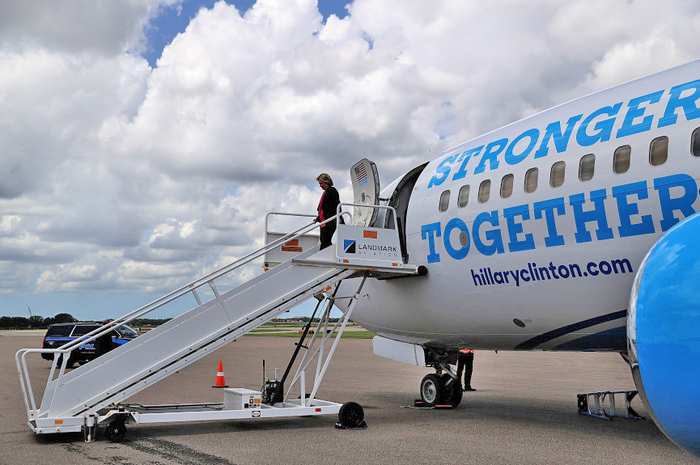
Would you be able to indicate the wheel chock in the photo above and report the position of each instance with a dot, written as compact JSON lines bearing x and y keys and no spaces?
{"x":363,"y":425}
{"x":418,"y":403}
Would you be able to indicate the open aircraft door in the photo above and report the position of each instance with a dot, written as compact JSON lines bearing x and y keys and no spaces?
{"x":400,"y":199}
{"x":365,"y":185}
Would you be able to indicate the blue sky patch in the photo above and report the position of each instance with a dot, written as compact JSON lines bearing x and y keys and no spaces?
{"x":171,"y":21}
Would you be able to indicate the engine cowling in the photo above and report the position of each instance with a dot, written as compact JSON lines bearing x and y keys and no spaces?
{"x":663,"y":333}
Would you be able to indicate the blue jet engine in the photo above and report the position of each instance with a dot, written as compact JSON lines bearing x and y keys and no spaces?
{"x":663,"y":333}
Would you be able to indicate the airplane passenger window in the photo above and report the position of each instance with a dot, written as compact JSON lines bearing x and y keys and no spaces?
{"x":484,"y":190}
{"x":586,"y":167}
{"x":531,"y":180}
{"x":507,"y":186}
{"x":695,"y":143}
{"x":658,"y":151}
{"x":463,"y":197}
{"x":621,"y":159}
{"x":556,"y":175}
{"x":444,"y":201}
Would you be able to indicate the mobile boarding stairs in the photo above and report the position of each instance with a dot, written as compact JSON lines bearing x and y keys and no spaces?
{"x":94,"y":394}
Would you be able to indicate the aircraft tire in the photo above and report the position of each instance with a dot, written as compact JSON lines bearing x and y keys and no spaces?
{"x":432,"y":389}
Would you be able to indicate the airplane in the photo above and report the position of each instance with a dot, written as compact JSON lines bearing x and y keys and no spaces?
{"x":574,"y":229}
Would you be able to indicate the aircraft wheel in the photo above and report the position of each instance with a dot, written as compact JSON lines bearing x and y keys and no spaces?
{"x":351,"y":415}
{"x":115,"y":430}
{"x":432,"y":389}
{"x":452,"y":393}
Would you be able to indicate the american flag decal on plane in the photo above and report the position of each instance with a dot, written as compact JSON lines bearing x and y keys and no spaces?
{"x":361,"y":174}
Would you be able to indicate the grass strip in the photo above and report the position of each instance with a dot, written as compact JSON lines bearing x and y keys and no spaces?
{"x":346,"y":335}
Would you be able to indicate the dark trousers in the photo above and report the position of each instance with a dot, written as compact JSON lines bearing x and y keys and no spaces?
{"x":465,"y":363}
{"x":327,"y":231}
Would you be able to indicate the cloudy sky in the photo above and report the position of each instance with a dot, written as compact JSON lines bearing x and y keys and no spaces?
{"x":143,"y":141}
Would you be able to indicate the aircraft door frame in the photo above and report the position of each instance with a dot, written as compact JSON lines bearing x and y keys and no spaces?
{"x":400,"y":200}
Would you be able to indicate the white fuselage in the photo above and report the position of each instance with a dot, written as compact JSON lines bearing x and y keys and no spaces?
{"x":545,"y":267}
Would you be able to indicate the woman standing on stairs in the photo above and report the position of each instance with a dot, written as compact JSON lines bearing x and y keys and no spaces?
{"x":327,"y":208}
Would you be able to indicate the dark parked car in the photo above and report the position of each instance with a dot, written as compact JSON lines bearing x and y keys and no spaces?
{"x":62,"y":333}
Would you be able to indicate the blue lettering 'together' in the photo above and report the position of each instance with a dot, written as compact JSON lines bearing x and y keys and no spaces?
{"x":676,"y":193}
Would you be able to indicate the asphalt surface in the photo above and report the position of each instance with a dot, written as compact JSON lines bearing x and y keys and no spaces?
{"x":523,"y":412}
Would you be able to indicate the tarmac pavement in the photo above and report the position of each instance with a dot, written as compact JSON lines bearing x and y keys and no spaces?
{"x":523,"y":412}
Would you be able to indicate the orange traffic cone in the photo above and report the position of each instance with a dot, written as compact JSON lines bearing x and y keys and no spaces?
{"x":220,"y":380}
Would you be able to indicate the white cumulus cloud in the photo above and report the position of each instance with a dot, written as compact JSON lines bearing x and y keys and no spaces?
{"x":117,"y":177}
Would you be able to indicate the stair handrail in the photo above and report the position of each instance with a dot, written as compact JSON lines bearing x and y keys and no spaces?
{"x":269,"y":214}
{"x":155,"y":304}
{"x":378,"y":207}
{"x":181,"y":291}
{"x":187,"y":288}
{"x":21,"y":354}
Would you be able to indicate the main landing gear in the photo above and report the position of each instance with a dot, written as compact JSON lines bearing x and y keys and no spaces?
{"x":441,"y":389}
